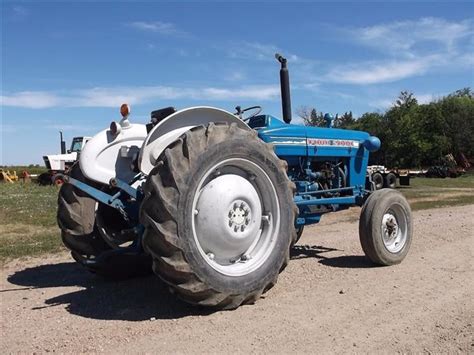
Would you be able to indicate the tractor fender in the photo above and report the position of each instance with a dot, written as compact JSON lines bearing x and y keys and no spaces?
{"x":173,"y":126}
{"x":109,"y":155}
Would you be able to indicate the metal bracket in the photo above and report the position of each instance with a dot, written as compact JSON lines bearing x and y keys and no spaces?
{"x":345,"y":200}
{"x":122,"y":185}
{"x":98,"y":195}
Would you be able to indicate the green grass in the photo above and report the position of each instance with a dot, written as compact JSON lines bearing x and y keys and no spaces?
{"x":30,"y":245}
{"x":424,"y":193}
{"x":28,"y":203}
{"x":28,"y":220}
{"x":28,"y":211}
{"x":464,"y":181}
{"x":451,"y":201}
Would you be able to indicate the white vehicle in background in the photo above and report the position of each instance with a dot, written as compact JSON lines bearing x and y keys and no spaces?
{"x":58,"y":164}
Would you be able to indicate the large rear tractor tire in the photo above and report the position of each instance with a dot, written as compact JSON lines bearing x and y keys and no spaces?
{"x":76,"y":218}
{"x":386,"y":227}
{"x":219,"y":216}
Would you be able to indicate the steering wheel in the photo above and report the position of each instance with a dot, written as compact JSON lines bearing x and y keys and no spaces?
{"x":255,"y":111}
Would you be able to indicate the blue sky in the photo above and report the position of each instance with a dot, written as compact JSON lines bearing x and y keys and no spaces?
{"x":69,"y":65}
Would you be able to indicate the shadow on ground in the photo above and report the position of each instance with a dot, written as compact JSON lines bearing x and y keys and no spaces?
{"x":131,"y":299}
{"x":317,"y":251}
{"x":139,"y":298}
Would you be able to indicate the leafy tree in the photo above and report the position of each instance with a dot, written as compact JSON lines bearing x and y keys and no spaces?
{"x":406,"y":100}
{"x":465,"y":92}
{"x":413,"y":135}
{"x":311,"y":117}
{"x":458,"y":112}
{"x":344,"y":121}
{"x":373,"y":123}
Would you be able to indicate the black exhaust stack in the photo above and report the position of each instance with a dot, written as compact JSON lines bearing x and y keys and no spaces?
{"x":285,"y":89}
{"x":63,"y":143}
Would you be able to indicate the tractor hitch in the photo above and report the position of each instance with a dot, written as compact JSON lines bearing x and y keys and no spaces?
{"x":114,"y":201}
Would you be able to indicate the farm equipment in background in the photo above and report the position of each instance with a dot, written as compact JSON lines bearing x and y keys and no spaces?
{"x":213,"y":201}
{"x":381,"y":177}
{"x":8,"y":177}
{"x":59,"y":164}
{"x":463,"y":162}
{"x":449,"y":167}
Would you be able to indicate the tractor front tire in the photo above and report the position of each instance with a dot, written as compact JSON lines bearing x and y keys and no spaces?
{"x":386,"y":227}
{"x":219,"y":216}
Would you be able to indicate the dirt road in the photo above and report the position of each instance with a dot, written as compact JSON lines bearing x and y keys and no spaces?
{"x":329,"y":299}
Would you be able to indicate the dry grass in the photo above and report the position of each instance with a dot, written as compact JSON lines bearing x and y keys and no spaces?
{"x":427,"y":193}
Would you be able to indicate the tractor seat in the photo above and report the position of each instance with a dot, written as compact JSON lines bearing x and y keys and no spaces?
{"x":159,"y":115}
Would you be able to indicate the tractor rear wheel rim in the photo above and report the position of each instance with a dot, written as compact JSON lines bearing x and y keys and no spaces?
{"x":236,"y":216}
{"x":394,"y":229}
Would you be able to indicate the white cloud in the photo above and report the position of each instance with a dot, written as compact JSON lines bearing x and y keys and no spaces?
{"x":257,"y":51}
{"x":404,"y":38}
{"x":410,"y":48}
{"x":164,"y":28}
{"x":378,"y":72}
{"x":425,"y":98}
{"x":112,"y":97}
{"x":30,"y":99}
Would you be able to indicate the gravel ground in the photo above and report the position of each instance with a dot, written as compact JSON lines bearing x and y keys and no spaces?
{"x":329,"y":299}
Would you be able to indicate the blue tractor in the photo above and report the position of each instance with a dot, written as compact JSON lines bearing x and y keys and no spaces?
{"x":213,"y":201}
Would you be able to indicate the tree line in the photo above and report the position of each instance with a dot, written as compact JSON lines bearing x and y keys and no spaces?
{"x":412,"y":134}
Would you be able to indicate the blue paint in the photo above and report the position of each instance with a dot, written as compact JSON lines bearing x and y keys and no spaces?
{"x":325,"y":201}
{"x":304,"y":147}
{"x":372,"y":144}
{"x":122,"y":185}
{"x":110,"y":200}
{"x":129,"y":208}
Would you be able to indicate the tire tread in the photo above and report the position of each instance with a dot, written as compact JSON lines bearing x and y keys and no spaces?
{"x":161,"y":238}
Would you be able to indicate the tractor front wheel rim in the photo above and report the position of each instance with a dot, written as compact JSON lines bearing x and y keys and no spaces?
{"x":394,"y":229}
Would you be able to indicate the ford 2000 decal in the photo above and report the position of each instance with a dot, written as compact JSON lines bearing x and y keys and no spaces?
{"x":320,"y":142}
